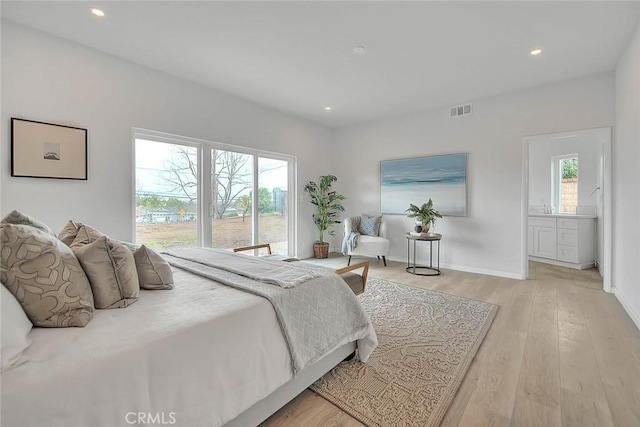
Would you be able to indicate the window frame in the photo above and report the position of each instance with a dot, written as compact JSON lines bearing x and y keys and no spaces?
{"x":556,"y":178}
{"x":205,"y":202}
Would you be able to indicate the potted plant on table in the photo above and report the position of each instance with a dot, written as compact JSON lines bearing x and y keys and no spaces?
{"x":426,"y":214}
{"x":328,"y":204}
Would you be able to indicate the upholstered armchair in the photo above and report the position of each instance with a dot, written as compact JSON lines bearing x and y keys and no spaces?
{"x":367,"y":243}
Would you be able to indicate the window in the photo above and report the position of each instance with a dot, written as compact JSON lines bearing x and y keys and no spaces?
{"x":196,"y":193}
{"x":565,"y":183}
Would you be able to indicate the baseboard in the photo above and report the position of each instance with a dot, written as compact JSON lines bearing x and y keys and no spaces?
{"x":634,"y":315}
{"x":486,"y":272}
{"x":562,"y":263}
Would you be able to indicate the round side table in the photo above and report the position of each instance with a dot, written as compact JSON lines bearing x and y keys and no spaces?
{"x":423,"y":270}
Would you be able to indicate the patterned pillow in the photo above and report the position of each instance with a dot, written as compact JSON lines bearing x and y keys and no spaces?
{"x":18,"y":218}
{"x":370,"y":225}
{"x":154,"y":272}
{"x":111,"y":270}
{"x":45,"y":277}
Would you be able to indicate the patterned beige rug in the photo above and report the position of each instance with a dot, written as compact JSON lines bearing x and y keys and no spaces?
{"x":427,"y":341}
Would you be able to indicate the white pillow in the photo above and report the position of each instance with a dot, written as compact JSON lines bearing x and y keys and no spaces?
{"x":15,"y":330}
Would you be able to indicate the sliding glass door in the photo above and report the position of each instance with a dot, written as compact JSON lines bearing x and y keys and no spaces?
{"x":197,"y":193}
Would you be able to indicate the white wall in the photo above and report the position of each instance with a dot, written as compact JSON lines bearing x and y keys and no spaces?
{"x":52,"y":80}
{"x":626,"y":181}
{"x":540,"y":159}
{"x":489,"y":239}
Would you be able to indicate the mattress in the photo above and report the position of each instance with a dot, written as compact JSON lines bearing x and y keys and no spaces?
{"x":199,"y":354}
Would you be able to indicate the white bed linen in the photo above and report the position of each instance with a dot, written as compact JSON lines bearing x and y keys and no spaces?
{"x":202,"y":351}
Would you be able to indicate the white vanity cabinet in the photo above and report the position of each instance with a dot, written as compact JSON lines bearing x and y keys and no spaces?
{"x":544,"y":237}
{"x":567,"y":240}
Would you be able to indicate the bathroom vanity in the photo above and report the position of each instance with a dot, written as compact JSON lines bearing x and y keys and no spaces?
{"x":563,"y":239}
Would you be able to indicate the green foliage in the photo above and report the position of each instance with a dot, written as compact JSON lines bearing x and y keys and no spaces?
{"x":243,"y":203}
{"x":265,"y":202}
{"x":173,"y":203}
{"x":327,"y":204}
{"x":155,"y":203}
{"x":150,"y":201}
{"x":425,"y":213}
{"x":569,"y":168}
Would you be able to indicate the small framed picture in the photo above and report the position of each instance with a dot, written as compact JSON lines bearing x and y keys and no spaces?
{"x":46,"y":150}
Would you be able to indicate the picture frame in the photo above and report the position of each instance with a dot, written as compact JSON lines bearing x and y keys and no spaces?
{"x":443,"y":178}
{"x":48,"y":150}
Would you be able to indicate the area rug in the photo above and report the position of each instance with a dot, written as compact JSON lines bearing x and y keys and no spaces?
{"x":427,"y":341}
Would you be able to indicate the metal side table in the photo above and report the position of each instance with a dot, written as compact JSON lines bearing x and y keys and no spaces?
{"x":423,"y":270}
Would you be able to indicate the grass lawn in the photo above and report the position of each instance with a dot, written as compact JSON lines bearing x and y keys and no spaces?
{"x":227,"y":233}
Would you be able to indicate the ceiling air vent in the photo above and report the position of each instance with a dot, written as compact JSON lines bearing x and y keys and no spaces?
{"x":460,"y":110}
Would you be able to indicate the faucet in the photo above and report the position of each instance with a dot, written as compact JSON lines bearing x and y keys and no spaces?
{"x":546,"y":208}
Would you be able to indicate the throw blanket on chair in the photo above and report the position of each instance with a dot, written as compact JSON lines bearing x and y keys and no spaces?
{"x":350,"y":241}
{"x":316,"y":316}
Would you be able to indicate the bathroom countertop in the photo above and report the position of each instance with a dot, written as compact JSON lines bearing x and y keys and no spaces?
{"x":542,"y":215}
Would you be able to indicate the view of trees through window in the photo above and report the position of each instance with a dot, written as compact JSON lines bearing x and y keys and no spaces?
{"x":168,"y":182}
{"x":568,"y":191}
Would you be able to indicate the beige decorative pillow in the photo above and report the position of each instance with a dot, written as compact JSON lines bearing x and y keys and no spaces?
{"x":111,"y":270}
{"x":45,"y":277}
{"x":18,"y":218}
{"x":154,"y":272}
{"x":69,"y":232}
{"x":86,"y":234}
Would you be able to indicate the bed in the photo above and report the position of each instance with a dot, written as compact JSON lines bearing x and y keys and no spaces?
{"x":201,"y":354}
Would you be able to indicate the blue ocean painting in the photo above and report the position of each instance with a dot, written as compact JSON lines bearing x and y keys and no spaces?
{"x":442,"y":178}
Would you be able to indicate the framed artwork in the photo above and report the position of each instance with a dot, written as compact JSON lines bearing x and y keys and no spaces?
{"x":442,"y":178}
{"x":45,"y":150}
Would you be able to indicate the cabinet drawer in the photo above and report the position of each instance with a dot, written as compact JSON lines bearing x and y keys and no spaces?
{"x":542,"y":222}
{"x":568,"y":223}
{"x":567,"y":237}
{"x":568,"y":253}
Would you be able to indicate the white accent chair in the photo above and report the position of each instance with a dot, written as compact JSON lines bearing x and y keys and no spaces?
{"x":369,"y":246}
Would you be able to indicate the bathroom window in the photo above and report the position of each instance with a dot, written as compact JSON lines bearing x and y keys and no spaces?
{"x":565,"y":181}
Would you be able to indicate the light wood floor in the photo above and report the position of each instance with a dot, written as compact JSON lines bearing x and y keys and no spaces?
{"x":560,"y":352}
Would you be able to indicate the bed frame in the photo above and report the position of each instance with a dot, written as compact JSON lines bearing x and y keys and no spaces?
{"x":263,"y":409}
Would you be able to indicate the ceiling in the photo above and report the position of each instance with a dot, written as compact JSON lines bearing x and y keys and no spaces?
{"x":298,"y":56}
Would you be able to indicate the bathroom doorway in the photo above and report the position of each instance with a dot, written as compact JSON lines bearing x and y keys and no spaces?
{"x":552,"y":237}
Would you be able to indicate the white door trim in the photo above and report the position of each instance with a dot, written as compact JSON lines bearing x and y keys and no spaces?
{"x":604,"y":135}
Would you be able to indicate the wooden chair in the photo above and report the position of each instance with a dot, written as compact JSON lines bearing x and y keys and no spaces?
{"x":354,"y":280}
{"x":248,"y":248}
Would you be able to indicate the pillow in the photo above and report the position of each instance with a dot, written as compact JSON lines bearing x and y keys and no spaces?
{"x":154,"y":271}
{"x":370,"y":225}
{"x":86,"y":234}
{"x":69,"y":232}
{"x":18,"y":218}
{"x":15,"y":330}
{"x":45,"y":277}
{"x":355,"y":224}
{"x":111,"y":270}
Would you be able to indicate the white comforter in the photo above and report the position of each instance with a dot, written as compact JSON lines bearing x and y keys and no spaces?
{"x":196,"y":355}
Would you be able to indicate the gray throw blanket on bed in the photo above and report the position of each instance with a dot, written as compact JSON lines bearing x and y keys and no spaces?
{"x":316,"y":316}
{"x":260,"y":269}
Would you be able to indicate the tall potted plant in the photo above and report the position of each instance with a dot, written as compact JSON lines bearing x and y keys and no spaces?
{"x":328,"y":204}
{"x":426,"y":214}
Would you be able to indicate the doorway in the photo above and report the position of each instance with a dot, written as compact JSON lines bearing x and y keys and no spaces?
{"x":598,"y":189}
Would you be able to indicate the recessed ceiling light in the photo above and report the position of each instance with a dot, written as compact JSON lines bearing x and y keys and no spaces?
{"x":327,"y":108}
{"x":535,"y":52}
{"x":97,"y":12}
{"x":359,"y":50}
